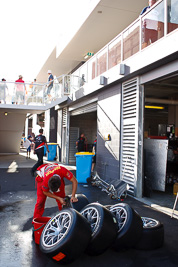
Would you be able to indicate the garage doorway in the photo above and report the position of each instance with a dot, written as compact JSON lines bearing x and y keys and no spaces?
{"x":161,"y":136}
{"x":83,"y":123}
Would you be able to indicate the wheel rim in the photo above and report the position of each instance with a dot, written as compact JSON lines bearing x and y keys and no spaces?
{"x":92,"y":216}
{"x":56,"y":229}
{"x":149,"y":222}
{"x":121,"y":215}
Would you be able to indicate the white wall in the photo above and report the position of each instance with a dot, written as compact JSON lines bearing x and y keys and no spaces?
{"x":11,"y":128}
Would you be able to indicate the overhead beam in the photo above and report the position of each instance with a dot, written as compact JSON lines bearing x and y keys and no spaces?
{"x":161,"y":101}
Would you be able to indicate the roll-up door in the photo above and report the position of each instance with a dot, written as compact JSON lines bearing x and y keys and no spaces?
{"x":84,"y":109}
{"x":73,"y":136}
{"x":129,"y":133}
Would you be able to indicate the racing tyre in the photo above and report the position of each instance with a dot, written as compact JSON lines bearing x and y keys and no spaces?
{"x":89,"y":180}
{"x":130,"y":226}
{"x":103,"y":226}
{"x":152,"y":236}
{"x":108,"y":206}
{"x":81,"y":203}
{"x":65,"y":236}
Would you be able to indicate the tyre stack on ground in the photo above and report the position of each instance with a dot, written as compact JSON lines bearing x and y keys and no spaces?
{"x":134,"y":231}
{"x":93,"y":228}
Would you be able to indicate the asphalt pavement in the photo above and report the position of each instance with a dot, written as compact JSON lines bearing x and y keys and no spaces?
{"x":17,"y":247}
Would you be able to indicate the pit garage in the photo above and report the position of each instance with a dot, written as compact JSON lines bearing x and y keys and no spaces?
{"x":83,"y":119}
{"x":161,"y":135}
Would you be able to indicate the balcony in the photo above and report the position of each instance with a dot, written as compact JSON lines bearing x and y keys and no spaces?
{"x":135,"y":47}
{"x":143,"y":42}
{"x":15,"y":95}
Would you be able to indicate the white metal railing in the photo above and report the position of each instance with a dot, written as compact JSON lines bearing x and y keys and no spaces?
{"x":37,"y":93}
{"x":162,"y":16}
{"x":133,"y":39}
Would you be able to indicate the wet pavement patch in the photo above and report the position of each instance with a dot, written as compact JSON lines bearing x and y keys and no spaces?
{"x":18,"y":249}
{"x":10,"y":207}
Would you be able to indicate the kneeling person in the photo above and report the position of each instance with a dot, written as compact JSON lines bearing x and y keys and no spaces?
{"x":50,"y":183}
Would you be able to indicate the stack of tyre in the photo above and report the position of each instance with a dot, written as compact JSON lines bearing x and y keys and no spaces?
{"x":93,"y":228}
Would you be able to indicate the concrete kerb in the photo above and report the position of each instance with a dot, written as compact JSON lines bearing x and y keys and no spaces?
{"x":157,"y":207}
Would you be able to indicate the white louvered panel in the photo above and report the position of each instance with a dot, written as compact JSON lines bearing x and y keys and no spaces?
{"x":129,"y":149}
{"x":130,"y":168}
{"x":128,"y":153}
{"x":130,"y":114}
{"x":128,"y":162}
{"x":130,"y":108}
{"x":130,"y":139}
{"x":129,"y":90}
{"x":130,"y":126}
{"x":131,"y":144}
{"x":129,"y":98}
{"x":130,"y":105}
{"x":129,"y":133}
{"x":64,"y":117}
{"x":129,"y":102}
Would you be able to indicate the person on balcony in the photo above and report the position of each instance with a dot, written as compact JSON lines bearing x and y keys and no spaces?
{"x":50,"y":84}
{"x":150,"y":4}
{"x":3,"y":91}
{"x":32,"y":88}
{"x":150,"y":25}
{"x":19,"y":90}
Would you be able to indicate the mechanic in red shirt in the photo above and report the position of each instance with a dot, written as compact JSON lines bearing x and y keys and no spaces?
{"x":50,"y":183}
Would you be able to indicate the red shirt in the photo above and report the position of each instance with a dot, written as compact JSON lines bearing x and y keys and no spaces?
{"x":46,"y":171}
{"x":19,"y":81}
{"x":20,"y":87}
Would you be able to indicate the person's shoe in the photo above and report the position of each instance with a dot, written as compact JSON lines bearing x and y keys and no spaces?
{"x":32,"y":173}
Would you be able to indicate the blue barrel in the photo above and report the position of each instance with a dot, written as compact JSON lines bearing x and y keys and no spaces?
{"x":45,"y":150}
{"x":52,"y":151}
{"x":83,"y":166}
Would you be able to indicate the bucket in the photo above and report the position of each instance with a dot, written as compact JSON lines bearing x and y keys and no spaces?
{"x":38,"y":226}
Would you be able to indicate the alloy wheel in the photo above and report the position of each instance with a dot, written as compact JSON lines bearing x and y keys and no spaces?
{"x":56,"y":229}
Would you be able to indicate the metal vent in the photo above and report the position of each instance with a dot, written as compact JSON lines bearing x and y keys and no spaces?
{"x":64,"y":117}
{"x":129,"y":133}
{"x":73,"y":136}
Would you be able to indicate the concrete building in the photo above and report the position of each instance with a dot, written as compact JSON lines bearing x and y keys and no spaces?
{"x":125,"y":92}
